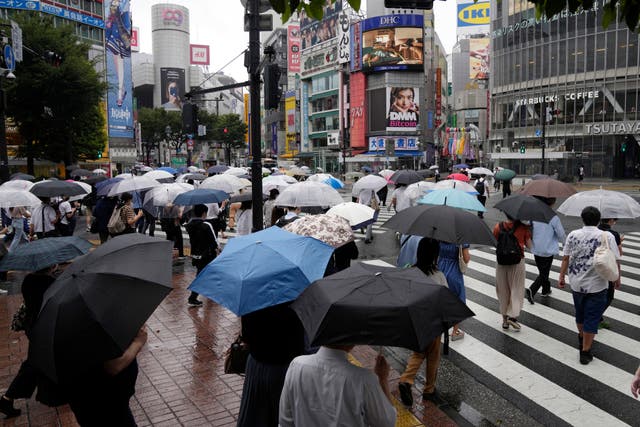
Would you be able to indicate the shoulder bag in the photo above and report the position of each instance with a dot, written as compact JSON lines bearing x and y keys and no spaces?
{"x":604,"y":261}
{"x":461,"y":264}
{"x":235,"y":360}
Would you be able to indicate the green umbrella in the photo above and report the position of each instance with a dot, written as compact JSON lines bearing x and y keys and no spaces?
{"x":505,"y":175}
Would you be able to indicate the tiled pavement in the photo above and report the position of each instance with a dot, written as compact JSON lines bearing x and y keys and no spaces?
{"x":181,"y":380}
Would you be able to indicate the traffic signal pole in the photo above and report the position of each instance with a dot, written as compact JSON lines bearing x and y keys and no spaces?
{"x":254,"y":120}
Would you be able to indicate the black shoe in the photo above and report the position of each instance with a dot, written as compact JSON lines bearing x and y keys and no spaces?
{"x":405,"y":393}
{"x":529,"y":295}
{"x":585,"y":357}
{"x":367,"y":241}
{"x":6,"y":407}
{"x":195,"y":303}
{"x":433,"y":397}
{"x":546,"y":294}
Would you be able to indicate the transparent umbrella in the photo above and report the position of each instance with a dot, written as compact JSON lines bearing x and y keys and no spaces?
{"x":309,"y":193}
{"x":224,"y":182}
{"x":611,"y":204}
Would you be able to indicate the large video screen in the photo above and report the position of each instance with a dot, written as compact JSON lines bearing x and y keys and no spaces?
{"x":393,"y":44}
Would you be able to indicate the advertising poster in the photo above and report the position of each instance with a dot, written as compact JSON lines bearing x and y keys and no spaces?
{"x":356,"y":47}
{"x":304,"y":114}
{"x":403,"y":113}
{"x":172,"y":88}
{"x":135,"y":42}
{"x":290,"y":112}
{"x":199,"y":54}
{"x":479,"y":59}
{"x":313,"y":32}
{"x":120,"y":93}
{"x":393,"y":42}
{"x":293,"y":48}
{"x":357,"y":109}
{"x":344,"y":38}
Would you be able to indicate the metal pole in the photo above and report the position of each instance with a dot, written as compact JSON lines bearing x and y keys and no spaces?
{"x":254,"y":100}
{"x":544,"y":122}
{"x":4,"y":156}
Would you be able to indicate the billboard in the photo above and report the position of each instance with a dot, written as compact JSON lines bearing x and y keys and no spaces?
{"x":479,"y":59}
{"x":393,"y":42}
{"x":323,"y":57}
{"x":172,"y":88}
{"x":293,"y":48}
{"x":472,"y":14}
{"x":357,"y":109}
{"x":199,"y":54}
{"x":344,"y":38}
{"x":135,"y":41}
{"x":400,"y":143}
{"x":120,"y":93}
{"x":290,"y":112}
{"x":356,"y":47}
{"x":314,"y":32}
{"x":403,"y":112}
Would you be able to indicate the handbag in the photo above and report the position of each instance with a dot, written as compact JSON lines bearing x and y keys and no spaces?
{"x":461,"y":264}
{"x":604,"y":261}
{"x":235,"y":360}
{"x":19,"y":320}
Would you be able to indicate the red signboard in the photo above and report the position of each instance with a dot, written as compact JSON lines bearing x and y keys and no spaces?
{"x":135,"y":43}
{"x":199,"y":54}
{"x":293,"y":48}
{"x":358,"y":113}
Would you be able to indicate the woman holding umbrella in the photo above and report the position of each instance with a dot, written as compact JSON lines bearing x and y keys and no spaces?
{"x":449,"y":265}
{"x":244,"y":218}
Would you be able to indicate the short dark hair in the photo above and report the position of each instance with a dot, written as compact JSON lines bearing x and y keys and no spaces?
{"x":199,"y":210}
{"x":125,"y":197}
{"x":590,"y":216}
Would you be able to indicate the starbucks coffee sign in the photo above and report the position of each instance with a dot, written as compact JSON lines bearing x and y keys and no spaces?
{"x":615,"y":128}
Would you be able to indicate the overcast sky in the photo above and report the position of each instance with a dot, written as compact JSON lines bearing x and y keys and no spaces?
{"x":219,"y":24}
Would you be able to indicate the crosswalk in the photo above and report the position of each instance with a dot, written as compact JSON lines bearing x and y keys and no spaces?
{"x":538,"y":369}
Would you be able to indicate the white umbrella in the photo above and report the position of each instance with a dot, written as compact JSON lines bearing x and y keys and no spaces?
{"x":159,"y":174}
{"x":274,"y":182}
{"x":309,"y":193}
{"x":286,"y":178}
{"x":16,"y":184}
{"x":369,"y":182}
{"x":99,"y":171}
{"x":13,"y":198}
{"x":454,"y":183}
{"x":418,"y":189}
{"x":355,"y":213}
{"x":227,"y":183}
{"x":192,"y":169}
{"x":124,"y":175}
{"x":164,"y":194}
{"x":135,"y":183}
{"x":434,"y":167}
{"x":266,"y":171}
{"x":86,"y":187}
{"x":386,"y":173}
{"x":480,"y":171}
{"x":611,"y":204}
{"x":235,"y":171}
{"x":146,"y":169}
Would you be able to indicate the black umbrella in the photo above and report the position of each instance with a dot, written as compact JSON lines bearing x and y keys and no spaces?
{"x":426,"y":173}
{"x":406,"y":177}
{"x":81,"y":172}
{"x":217,"y":169}
{"x":20,"y":175}
{"x":523,"y":207}
{"x":56,"y":188}
{"x":92,"y":312}
{"x":94,"y":179}
{"x":367,"y":304}
{"x":442,"y":223}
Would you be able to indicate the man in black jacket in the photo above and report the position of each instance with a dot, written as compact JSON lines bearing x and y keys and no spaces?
{"x":204,"y":245}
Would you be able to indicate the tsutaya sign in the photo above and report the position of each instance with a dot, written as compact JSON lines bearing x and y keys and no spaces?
{"x":570,"y":96}
{"x":616,"y":128}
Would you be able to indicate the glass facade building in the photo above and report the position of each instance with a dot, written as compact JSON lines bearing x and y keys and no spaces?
{"x":566,"y":82}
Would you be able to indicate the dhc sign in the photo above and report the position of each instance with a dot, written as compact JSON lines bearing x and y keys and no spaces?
{"x":474,"y":14}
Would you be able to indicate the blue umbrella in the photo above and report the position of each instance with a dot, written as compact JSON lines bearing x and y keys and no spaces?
{"x":42,"y":253}
{"x":366,"y":169}
{"x":262,"y":269}
{"x":461,"y":166}
{"x":217,"y":169}
{"x":200,"y":196}
{"x":334,"y":182}
{"x":103,"y":187}
{"x":169,"y":169}
{"x":452,"y":197}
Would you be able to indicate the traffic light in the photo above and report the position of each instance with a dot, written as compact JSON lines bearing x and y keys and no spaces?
{"x":225,"y":130}
{"x":99,"y":154}
{"x":623,"y":147}
{"x":523,"y":148}
{"x":189,"y":118}
{"x":272,"y":90}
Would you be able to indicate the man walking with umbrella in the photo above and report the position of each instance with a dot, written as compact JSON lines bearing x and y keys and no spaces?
{"x":43,"y":220}
{"x":482,"y":187}
{"x":204,"y":245}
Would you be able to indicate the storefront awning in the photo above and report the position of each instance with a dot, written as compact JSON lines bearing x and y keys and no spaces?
{"x":398,"y":153}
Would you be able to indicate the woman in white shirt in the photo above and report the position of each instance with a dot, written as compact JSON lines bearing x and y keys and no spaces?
{"x":244,"y":219}
{"x":18,"y":215}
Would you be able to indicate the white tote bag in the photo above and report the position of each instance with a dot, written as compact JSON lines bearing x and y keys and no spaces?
{"x":604,"y":261}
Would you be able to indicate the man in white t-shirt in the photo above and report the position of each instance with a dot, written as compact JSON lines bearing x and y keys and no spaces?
{"x":482,"y":187}
{"x":67,"y":216}
{"x":589,"y":289}
{"x":398,"y":199}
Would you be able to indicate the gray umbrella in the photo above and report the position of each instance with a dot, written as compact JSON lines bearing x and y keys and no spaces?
{"x":406,"y":177}
{"x":34,"y":256}
{"x":56,"y":188}
{"x":92,"y":312}
{"x":442,"y":223}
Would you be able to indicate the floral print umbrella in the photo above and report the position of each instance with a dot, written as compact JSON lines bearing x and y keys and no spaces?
{"x":332,"y":230}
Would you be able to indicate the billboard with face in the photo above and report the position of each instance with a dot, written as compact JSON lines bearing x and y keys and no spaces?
{"x":172,"y":88}
{"x":393,"y":42}
{"x":479,"y":59}
{"x":403,"y":112}
{"x":314,"y":32}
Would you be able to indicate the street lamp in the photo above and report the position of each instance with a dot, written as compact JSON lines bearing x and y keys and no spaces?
{"x":5,"y":73}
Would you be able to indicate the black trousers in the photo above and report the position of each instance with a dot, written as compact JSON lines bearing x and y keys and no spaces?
{"x":544,"y":267}
{"x":175,"y":235}
{"x":483,"y":200}
{"x":24,"y":383}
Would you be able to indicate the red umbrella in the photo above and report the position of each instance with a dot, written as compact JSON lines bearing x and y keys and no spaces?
{"x":459,"y":177}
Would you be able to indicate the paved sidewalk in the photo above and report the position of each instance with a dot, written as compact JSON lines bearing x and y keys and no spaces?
{"x":181,"y":379}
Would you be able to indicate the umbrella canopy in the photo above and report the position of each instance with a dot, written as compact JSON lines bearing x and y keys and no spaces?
{"x":10,"y":198}
{"x":454,"y":198}
{"x":262,"y":269}
{"x":405,"y":177}
{"x":611,"y":204}
{"x":426,"y":173}
{"x":459,"y":177}
{"x":369,"y":182}
{"x":505,"y":175}
{"x":99,"y":171}
{"x":550,"y":188}
{"x":357,"y":214}
{"x":43,"y":253}
{"x":92,"y":312}
{"x":169,"y":169}
{"x":540,"y":176}
{"x":236,"y":171}
{"x":309,"y":193}
{"x":86,"y":186}
{"x":103,"y":187}
{"x":458,"y":185}
{"x":274,"y":182}
{"x":366,"y":169}
{"x":523,"y":207}
{"x":81,"y":172}
{"x":16,"y":184}
{"x":192,"y":169}
{"x":159,"y":174}
{"x":92,"y":180}
{"x":57,"y":188}
{"x":193,"y":176}
{"x":146,"y":169}
{"x":133,"y":184}
{"x":200,"y":196}
{"x":224,"y":182}
{"x":481,"y":171}
{"x":245,"y":196}
{"x":366,"y":304}
{"x":327,"y":179}
{"x":461,"y":166}
{"x":335,"y":231}
{"x":23,"y":176}
{"x":418,"y":189}
{"x":442,"y":223}
{"x":163,"y":195}
{"x":217,"y":169}
{"x":386,"y":173}
{"x":434,"y":167}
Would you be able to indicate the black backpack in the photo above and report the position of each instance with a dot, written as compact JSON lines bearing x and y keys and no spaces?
{"x":480,"y":187}
{"x":508,"y":250}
